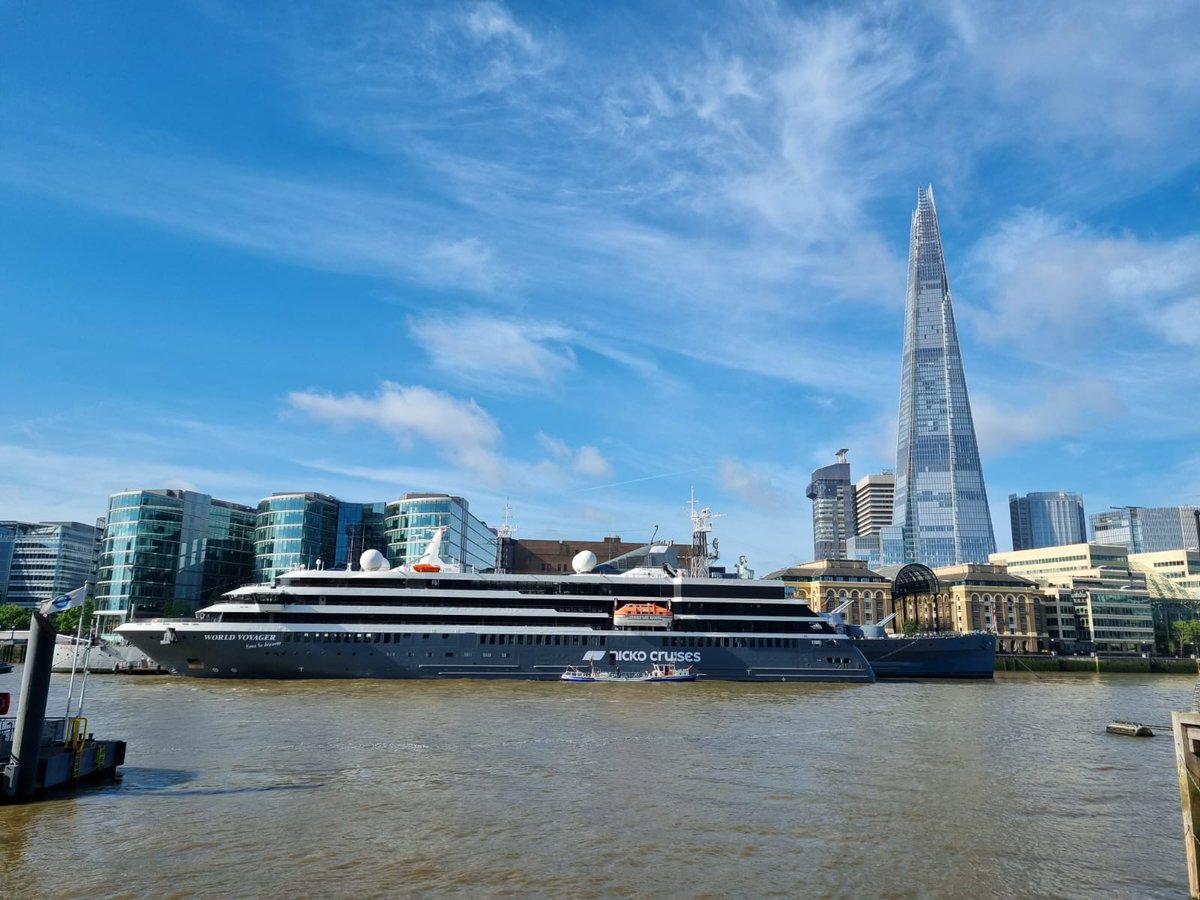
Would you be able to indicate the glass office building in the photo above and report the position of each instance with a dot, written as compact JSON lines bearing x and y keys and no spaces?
{"x":311,"y":530}
{"x":1047,"y":519}
{"x":940,"y":499}
{"x":1148,"y":529}
{"x":40,"y":560}
{"x":168,"y":552}
{"x":411,"y":521}
{"x":833,"y":511}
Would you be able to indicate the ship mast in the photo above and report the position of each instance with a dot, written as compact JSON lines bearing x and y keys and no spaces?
{"x":701,"y":526}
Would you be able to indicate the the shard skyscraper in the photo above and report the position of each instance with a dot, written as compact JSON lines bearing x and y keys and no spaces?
{"x":940,"y":499}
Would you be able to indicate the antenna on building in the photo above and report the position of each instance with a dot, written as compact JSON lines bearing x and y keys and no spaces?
{"x":505,"y":530}
{"x":701,"y":526}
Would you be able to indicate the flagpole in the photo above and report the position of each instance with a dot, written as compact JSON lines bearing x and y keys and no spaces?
{"x":87,"y":654}
{"x":74,"y":662}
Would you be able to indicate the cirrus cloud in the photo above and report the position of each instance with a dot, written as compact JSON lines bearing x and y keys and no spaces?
{"x":460,"y":429}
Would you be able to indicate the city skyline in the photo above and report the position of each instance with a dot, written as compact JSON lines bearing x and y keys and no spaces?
{"x":580,"y":262}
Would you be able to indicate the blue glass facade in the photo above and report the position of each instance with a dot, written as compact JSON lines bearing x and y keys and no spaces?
{"x":1047,"y":519}
{"x":166,"y":552}
{"x":294,"y":531}
{"x":40,"y":560}
{"x":1147,"y":529}
{"x":411,"y":521}
{"x":834,"y":518}
{"x":307,"y":530}
{"x":940,"y":498}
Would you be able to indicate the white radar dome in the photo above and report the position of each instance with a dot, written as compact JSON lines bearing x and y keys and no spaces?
{"x":373,"y":561}
{"x":583,"y":561}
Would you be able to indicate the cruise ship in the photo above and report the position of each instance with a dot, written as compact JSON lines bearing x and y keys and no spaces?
{"x":430,"y":619}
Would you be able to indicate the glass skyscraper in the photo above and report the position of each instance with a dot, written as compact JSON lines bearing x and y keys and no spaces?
{"x":940,"y":502}
{"x":832,"y":494}
{"x":1047,"y":519}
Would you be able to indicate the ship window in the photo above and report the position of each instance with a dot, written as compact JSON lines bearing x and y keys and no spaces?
{"x":424,"y":637}
{"x":449,"y":652}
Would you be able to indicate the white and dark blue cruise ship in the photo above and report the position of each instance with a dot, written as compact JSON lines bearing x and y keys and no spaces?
{"x":432,"y":620}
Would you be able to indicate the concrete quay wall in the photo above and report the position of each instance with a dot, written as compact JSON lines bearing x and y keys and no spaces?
{"x":1149,"y":665}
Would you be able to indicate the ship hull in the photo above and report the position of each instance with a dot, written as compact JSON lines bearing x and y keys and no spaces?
{"x":931,"y":656}
{"x":206,"y":651}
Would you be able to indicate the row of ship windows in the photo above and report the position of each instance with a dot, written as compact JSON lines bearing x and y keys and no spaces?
{"x":568,"y":640}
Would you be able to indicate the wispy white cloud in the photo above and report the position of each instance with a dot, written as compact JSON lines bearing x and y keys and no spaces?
{"x":490,"y":349}
{"x":1052,"y":282}
{"x":586,"y":461}
{"x":459,"y":428}
{"x":1052,"y":412}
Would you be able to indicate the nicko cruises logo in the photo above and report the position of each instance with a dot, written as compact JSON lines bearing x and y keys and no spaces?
{"x":658,"y":656}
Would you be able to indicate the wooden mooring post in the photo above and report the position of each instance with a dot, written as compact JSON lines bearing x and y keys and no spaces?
{"x":1186,"y":726}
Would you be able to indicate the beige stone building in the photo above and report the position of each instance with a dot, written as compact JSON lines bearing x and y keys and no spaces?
{"x":985,"y":597}
{"x":828,"y":583}
{"x":963,"y":598}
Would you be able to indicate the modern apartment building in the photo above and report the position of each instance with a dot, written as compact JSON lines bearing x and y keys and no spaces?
{"x":168,"y":551}
{"x":40,"y":560}
{"x":1047,"y":519}
{"x":941,"y":502}
{"x":833,"y":511}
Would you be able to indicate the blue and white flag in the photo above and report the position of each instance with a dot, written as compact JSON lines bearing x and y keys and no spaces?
{"x":63,"y":602}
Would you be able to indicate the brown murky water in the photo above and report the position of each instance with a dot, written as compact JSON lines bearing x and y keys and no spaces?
{"x":324,"y":789}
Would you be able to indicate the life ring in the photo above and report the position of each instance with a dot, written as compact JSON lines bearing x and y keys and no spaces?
{"x":4,"y":700}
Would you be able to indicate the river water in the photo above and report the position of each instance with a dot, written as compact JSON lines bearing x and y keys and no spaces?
{"x":231,"y":788}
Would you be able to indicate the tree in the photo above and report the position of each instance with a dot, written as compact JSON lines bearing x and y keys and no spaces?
{"x":68,"y":622}
{"x":911,"y":627}
{"x":14,"y":617}
{"x":1181,"y":630}
{"x":1193,"y":637}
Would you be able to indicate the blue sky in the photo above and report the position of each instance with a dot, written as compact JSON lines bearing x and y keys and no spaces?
{"x":588,"y":256}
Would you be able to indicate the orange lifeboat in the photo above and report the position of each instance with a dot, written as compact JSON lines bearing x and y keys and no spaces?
{"x":642,"y":615}
{"x":426,"y":567}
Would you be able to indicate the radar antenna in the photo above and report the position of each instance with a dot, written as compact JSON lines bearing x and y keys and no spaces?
{"x":701,"y":526}
{"x":505,"y":530}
